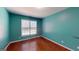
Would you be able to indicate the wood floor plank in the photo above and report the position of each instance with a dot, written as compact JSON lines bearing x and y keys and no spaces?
{"x":36,"y":44}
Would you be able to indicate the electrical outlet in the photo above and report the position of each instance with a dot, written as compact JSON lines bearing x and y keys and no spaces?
{"x":62,"y":41}
{"x":77,"y":47}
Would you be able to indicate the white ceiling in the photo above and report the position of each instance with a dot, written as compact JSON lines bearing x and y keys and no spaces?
{"x":35,"y":12}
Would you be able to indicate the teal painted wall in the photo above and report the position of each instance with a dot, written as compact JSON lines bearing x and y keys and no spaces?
{"x":4,"y":31}
{"x":63,"y":27}
{"x":15,"y":26}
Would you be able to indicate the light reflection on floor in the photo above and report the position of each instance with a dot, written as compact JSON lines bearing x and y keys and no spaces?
{"x":29,"y":46}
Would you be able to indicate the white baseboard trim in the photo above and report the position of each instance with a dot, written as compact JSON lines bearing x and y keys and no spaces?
{"x":58,"y":43}
{"x":18,"y":41}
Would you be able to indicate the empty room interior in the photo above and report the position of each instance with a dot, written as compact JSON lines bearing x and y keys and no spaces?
{"x":39,"y":28}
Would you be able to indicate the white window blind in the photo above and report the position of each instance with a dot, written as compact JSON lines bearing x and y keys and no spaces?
{"x":28,"y":27}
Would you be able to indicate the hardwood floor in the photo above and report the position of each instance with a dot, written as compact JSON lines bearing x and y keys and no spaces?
{"x":35,"y":44}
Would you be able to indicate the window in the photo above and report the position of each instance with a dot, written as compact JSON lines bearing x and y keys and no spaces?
{"x":28,"y":27}
{"x":33,"y":27}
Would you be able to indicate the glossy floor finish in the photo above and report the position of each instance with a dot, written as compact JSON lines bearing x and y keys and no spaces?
{"x":35,"y":44}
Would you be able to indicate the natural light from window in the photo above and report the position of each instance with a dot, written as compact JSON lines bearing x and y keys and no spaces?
{"x":28,"y":27}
